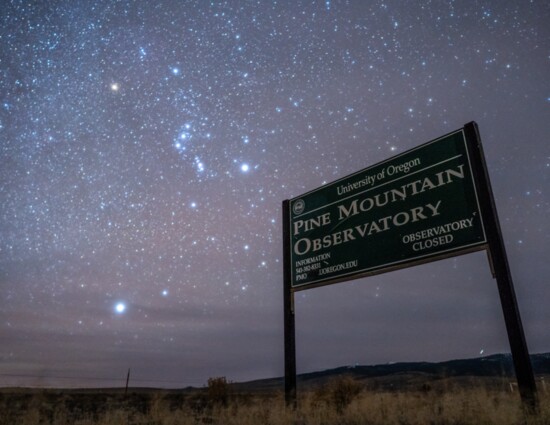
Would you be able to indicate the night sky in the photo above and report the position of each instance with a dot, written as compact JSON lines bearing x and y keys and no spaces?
{"x":146,"y":147}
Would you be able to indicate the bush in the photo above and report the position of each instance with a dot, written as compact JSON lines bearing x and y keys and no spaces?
{"x":340,"y":392}
{"x":218,"y":391}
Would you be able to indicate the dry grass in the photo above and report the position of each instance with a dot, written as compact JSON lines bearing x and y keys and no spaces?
{"x":324,"y":406}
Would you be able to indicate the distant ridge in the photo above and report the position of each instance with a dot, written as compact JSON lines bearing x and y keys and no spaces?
{"x":401,"y":375}
{"x":497,"y":365}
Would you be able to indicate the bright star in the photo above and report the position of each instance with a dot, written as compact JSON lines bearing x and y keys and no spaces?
{"x":245,"y":168}
{"x":120,"y":308}
{"x":115,"y":87}
{"x":199,"y":164}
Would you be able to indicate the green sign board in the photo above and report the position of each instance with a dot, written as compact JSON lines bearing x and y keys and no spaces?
{"x":413,"y":208}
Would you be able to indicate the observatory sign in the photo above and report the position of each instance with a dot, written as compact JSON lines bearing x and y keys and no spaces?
{"x":413,"y":208}
{"x":431,"y":202}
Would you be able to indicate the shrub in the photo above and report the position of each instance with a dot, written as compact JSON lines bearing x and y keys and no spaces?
{"x":218,"y":391}
{"x":340,"y":392}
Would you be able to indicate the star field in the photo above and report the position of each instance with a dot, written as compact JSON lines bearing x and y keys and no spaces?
{"x":145,"y":149}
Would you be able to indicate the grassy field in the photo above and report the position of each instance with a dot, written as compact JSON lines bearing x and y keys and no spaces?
{"x":341,"y":401}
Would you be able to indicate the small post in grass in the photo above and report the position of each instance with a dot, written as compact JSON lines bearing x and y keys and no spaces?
{"x":127,"y":380}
